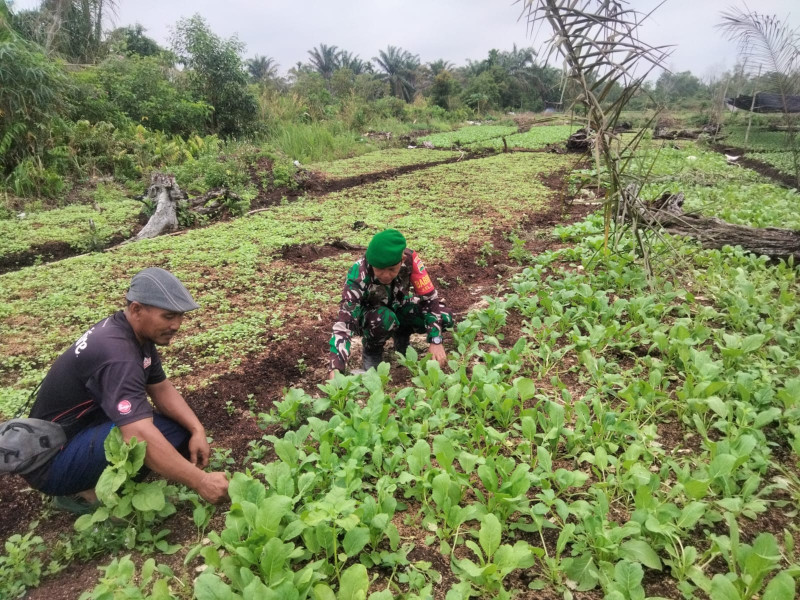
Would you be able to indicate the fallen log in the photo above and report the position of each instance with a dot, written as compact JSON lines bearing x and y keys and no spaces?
{"x":667,"y":212}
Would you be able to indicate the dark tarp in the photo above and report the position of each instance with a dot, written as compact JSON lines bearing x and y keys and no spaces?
{"x":766,"y":102}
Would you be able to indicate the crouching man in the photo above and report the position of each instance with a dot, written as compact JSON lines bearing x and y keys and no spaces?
{"x":104,"y":379}
{"x":388,"y":293}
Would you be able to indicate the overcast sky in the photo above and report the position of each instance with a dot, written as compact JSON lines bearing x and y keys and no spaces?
{"x":455,"y":30}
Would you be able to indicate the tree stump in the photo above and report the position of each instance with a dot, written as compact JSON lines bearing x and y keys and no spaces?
{"x":580,"y":141}
{"x":165,"y":192}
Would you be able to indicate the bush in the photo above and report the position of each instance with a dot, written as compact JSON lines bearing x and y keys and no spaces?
{"x":136,"y":89}
{"x":31,"y":178}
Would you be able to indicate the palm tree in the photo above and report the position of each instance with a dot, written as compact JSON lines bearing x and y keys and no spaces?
{"x":440,"y":65}
{"x":325,"y":60}
{"x":347,"y":60}
{"x":398,"y":66}
{"x":74,"y":28}
{"x":770,"y":46}
{"x":262,"y":69}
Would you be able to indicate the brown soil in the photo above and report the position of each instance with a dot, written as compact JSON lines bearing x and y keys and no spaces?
{"x":49,"y":252}
{"x":751,"y":162}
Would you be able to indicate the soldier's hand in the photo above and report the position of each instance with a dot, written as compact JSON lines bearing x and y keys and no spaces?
{"x":213,"y":487}
{"x":438,"y":353}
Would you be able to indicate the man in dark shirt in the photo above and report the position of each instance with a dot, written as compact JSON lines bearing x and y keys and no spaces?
{"x":104,"y":379}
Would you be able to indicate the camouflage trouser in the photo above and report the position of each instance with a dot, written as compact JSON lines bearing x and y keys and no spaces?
{"x":377,"y":325}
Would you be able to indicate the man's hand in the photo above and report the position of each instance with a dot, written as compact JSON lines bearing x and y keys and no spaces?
{"x":213,"y":487}
{"x":438,"y":353}
{"x":199,"y":450}
{"x":332,"y":373}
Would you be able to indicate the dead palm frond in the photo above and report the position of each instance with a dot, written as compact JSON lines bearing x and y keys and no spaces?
{"x":598,"y":40}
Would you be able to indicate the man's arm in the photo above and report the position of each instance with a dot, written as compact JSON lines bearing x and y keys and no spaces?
{"x":429,"y":306}
{"x":352,"y":293}
{"x":170,"y":403}
{"x":165,"y":460}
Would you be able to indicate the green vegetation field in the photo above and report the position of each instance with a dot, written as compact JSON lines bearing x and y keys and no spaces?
{"x":468,"y":136}
{"x":110,"y":212}
{"x":596,"y":433}
{"x":770,"y":147}
{"x":43,"y":307}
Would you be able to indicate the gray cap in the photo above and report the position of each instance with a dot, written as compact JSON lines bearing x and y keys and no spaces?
{"x":160,"y":288}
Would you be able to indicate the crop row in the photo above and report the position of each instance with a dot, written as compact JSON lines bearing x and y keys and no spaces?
{"x":375,"y":162}
{"x":43,"y":308}
{"x":629,"y":432}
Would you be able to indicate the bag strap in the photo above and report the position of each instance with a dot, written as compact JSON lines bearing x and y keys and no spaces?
{"x":23,"y":411}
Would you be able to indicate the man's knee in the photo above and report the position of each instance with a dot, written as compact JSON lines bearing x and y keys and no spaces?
{"x":176,"y":434}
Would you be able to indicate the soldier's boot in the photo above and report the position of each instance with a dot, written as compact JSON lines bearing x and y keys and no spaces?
{"x":372,"y":357}
{"x":401,"y":341}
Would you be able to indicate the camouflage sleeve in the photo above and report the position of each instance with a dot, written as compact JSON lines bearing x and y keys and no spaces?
{"x":428,"y":298}
{"x":347,"y":321}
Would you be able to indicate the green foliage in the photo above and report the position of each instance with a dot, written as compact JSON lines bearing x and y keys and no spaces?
{"x":21,"y":564}
{"x":138,"y":89}
{"x":31,"y":91}
{"x":469,"y":136}
{"x":216,"y":75}
{"x":130,"y":510}
{"x":119,"y":580}
{"x":132,"y":41}
{"x":535,"y":138}
{"x":315,"y":141}
{"x":112,"y":215}
{"x":375,"y":162}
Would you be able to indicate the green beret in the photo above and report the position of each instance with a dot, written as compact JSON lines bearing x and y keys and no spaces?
{"x":386,"y":249}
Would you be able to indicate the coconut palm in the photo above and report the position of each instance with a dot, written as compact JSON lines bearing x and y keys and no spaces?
{"x":346,"y":60}
{"x":439,"y":66}
{"x":398,"y":68}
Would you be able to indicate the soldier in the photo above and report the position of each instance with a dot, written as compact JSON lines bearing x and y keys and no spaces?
{"x":388,"y":293}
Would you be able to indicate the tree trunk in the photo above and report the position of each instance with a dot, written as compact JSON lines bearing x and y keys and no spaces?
{"x":667,"y":212}
{"x":165,"y":191}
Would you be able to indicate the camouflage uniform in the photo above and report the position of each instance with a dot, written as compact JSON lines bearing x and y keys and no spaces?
{"x":377,"y":311}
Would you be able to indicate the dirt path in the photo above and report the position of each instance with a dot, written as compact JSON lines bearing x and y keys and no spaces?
{"x":749,"y":161}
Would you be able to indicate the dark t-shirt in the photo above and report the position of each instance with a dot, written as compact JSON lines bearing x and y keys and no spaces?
{"x":104,"y":375}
